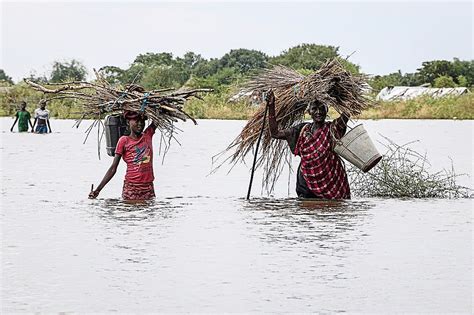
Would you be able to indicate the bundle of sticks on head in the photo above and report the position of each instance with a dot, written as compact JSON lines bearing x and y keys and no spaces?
{"x":164,"y":107}
{"x":332,"y":84}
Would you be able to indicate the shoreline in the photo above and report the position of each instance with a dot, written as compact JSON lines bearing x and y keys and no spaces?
{"x":306,"y":119}
{"x":215,"y":106}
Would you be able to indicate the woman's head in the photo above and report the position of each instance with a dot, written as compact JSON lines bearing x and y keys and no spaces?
{"x":137,"y":125}
{"x":42,"y":104}
{"x":135,"y":121}
{"x":317,"y":110}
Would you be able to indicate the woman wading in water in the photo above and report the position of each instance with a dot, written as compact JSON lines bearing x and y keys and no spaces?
{"x":321,"y":172}
{"x":137,"y":151}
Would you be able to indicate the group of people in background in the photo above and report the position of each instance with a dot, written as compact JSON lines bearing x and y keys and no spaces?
{"x":41,"y":116}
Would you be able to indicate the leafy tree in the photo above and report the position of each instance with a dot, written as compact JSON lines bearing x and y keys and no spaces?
{"x":227,"y":76}
{"x":462,"y":81}
{"x":243,"y":60}
{"x":411,"y":79}
{"x":164,"y":77}
{"x":306,"y":56}
{"x":444,"y":81}
{"x":133,"y":74}
{"x":149,"y":59}
{"x":465,"y":69}
{"x":208,"y":82}
{"x":218,"y":81}
{"x":5,"y":77}
{"x":207,"y":68}
{"x":349,"y":66}
{"x":68,"y":71}
{"x":112,"y":74}
{"x":37,"y":78}
{"x":430,"y":70}
{"x":160,"y":70}
{"x":379,"y":82}
{"x":191,"y":60}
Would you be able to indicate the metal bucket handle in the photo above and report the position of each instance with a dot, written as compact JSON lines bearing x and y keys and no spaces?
{"x":335,"y":140}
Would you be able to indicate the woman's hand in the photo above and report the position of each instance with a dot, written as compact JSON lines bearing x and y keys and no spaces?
{"x":270,"y":97}
{"x":93,"y":194}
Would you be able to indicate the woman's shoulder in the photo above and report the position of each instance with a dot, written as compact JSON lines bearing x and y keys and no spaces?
{"x":123,"y":139}
{"x":300,"y":126}
{"x":294,"y":134}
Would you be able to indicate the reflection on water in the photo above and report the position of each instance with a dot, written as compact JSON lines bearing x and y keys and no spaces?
{"x":129,"y":211}
{"x":118,"y":209}
{"x":131,"y":228}
{"x":295,"y":220}
{"x":306,"y":206}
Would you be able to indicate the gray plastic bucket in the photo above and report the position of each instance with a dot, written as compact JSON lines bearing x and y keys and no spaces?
{"x":115,"y":127}
{"x":357,"y":148}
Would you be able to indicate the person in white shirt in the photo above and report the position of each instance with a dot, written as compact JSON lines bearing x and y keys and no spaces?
{"x":42,"y":119}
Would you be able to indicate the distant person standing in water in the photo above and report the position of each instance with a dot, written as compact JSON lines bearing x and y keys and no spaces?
{"x":42,"y":119}
{"x":137,"y":151}
{"x":23,"y":118}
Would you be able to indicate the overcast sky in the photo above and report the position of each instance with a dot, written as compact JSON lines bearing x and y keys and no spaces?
{"x":386,"y":36}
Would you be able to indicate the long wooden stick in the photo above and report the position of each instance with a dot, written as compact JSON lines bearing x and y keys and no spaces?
{"x":256,"y":151}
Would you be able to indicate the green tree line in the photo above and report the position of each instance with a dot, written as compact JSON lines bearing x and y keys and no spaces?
{"x":163,"y":70}
{"x":436,"y":73}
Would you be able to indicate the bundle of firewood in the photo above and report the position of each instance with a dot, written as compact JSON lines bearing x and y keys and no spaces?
{"x":332,"y":84}
{"x":164,"y":107}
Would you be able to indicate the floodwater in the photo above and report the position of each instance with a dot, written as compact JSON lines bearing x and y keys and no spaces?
{"x":201,"y":247}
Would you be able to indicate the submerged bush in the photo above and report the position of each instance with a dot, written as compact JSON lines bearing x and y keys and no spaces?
{"x":404,"y":173}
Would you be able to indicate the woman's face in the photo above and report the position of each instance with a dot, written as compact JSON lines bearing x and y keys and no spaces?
{"x":318,"y":111}
{"x":137,"y":125}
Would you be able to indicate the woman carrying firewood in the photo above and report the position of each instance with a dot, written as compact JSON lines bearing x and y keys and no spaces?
{"x":137,"y":151}
{"x":321,"y":172}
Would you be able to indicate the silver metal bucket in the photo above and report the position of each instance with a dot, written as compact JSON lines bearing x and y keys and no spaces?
{"x":357,"y":148}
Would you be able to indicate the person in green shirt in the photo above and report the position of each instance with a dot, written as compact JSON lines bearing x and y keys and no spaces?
{"x":23,"y":118}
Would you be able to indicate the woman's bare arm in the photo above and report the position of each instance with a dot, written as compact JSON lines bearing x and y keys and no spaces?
{"x":107,"y":177}
{"x":274,"y":131}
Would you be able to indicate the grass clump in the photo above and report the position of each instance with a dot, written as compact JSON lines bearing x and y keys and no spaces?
{"x":216,"y":106}
{"x":425,"y":107}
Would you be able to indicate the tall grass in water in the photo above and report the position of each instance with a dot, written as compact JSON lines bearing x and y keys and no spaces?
{"x":216,"y":106}
{"x":454,"y":107}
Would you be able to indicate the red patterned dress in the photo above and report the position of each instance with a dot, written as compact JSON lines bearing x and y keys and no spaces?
{"x":321,"y":173}
{"x":138,"y":154}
